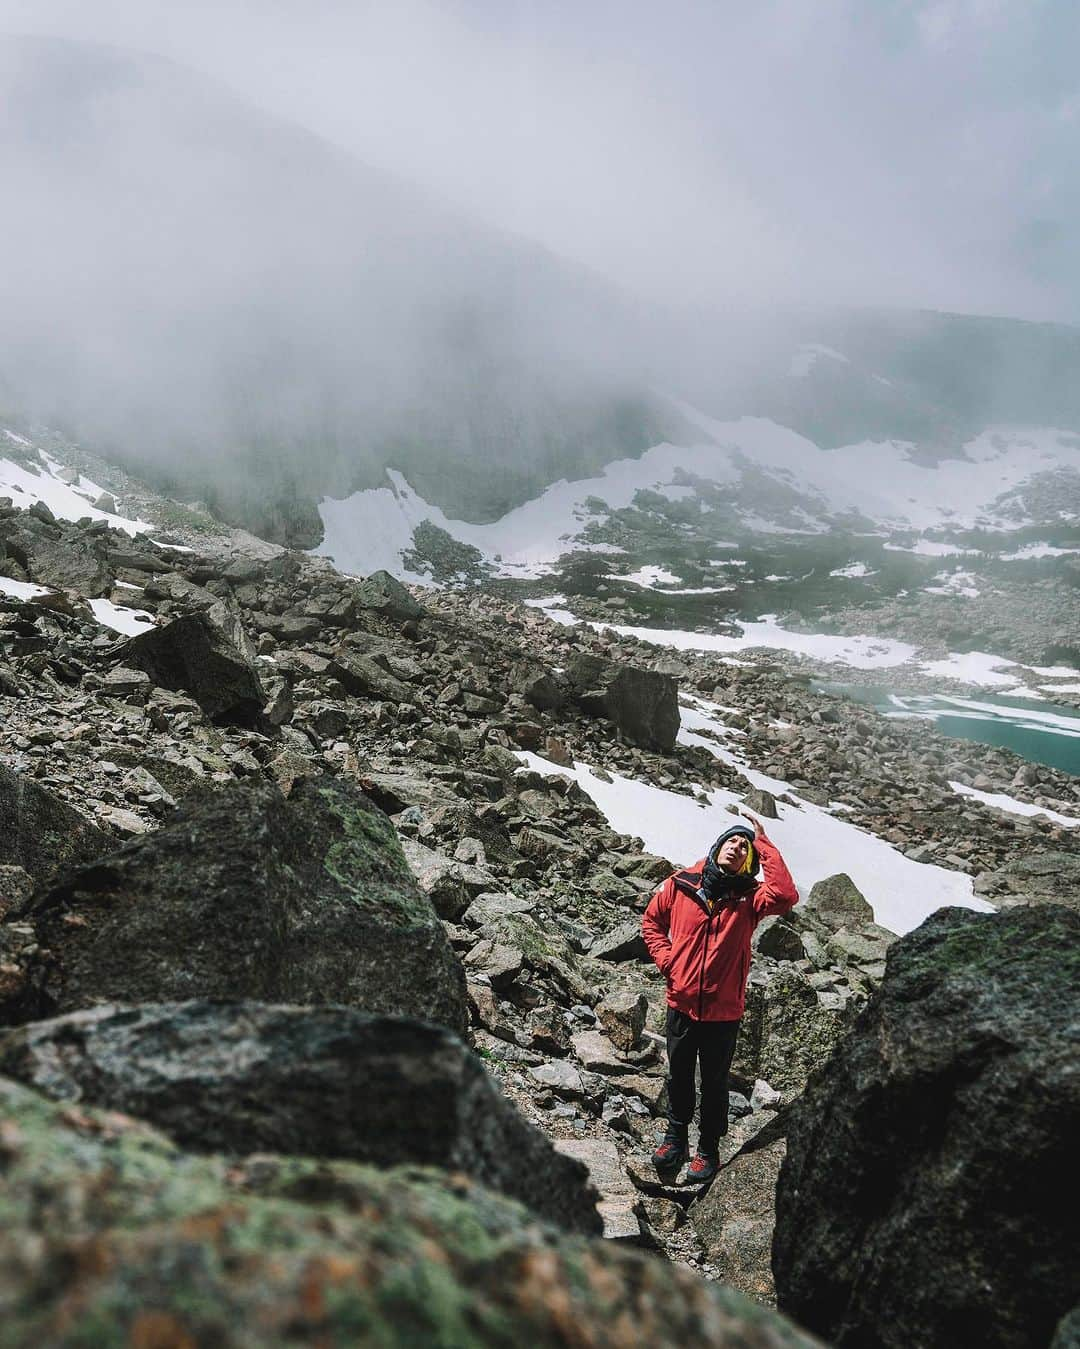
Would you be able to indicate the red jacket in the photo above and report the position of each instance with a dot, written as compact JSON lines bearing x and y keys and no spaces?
{"x":706,"y":955}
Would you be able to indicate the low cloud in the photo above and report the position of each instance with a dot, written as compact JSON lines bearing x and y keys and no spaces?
{"x":796,"y":151}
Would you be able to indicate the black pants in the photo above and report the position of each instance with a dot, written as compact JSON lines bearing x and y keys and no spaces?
{"x":712,"y":1044}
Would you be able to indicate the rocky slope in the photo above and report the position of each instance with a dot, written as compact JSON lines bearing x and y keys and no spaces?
{"x":295,"y":787}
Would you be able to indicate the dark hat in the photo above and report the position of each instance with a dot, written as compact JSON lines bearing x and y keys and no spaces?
{"x":744,"y":831}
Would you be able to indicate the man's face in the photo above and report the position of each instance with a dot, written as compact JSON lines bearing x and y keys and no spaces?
{"x":732,"y":852}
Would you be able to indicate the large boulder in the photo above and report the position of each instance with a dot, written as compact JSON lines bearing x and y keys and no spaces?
{"x":243,"y":894}
{"x":838,"y":902}
{"x":364,"y":677}
{"x":734,"y":1218}
{"x":113,"y":1236}
{"x":194,"y":655}
{"x":384,"y":594}
{"x":643,"y":704}
{"x":537,"y":685}
{"x":450,"y":885}
{"x":924,"y":1199}
{"x":786,"y":1030}
{"x":1044,"y":877}
{"x":53,"y":556}
{"x":325,"y":1081}
{"x":41,"y":833}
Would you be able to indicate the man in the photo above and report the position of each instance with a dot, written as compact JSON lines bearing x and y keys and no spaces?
{"x":698,"y":927}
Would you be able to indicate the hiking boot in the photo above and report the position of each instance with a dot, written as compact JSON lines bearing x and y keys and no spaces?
{"x":703,"y":1168}
{"x":670,"y":1155}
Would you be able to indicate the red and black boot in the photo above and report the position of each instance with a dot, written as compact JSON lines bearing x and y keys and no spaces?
{"x":670,"y":1155}
{"x":703,"y":1167}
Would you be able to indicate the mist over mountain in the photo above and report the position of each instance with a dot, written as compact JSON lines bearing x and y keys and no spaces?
{"x":212,"y":294}
{"x":249,"y":315}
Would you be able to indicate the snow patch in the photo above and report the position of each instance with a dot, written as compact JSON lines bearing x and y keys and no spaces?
{"x":20,"y":590}
{"x":861,"y":653}
{"x":1034,"y":550}
{"x":67,"y":501}
{"x":130,"y":622}
{"x":809,"y":354}
{"x":854,"y":570}
{"x":931,"y":548}
{"x":647,"y":577}
{"x":1010,"y":804}
{"x":960,"y":583}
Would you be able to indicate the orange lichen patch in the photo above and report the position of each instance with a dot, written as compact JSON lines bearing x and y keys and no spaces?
{"x":606,"y":1284}
{"x":542,"y":1292}
{"x":312,"y":1291}
{"x":93,"y":1258}
{"x":115,"y":1123}
{"x":459,"y":1183}
{"x":433,"y":1252}
{"x":80,"y":1121}
{"x":11,"y":1138}
{"x":211,"y":1225}
{"x":321,"y":1272}
{"x":12,"y":977}
{"x":626,"y":1331}
{"x":159,"y":1330}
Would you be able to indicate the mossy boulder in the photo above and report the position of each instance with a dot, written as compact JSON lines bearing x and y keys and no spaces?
{"x":838,"y":902}
{"x":41,"y":833}
{"x":786,"y":1032}
{"x":545,"y":950}
{"x":55,"y":554}
{"x":331,"y":1082}
{"x":246,"y":895}
{"x":384,"y":594}
{"x":110,"y":1235}
{"x":923,"y":1199}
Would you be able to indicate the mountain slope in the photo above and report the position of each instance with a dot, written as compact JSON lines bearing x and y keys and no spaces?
{"x":216,"y":296}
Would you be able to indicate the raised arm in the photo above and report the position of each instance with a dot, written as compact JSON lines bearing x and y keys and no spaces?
{"x":655,"y":922}
{"x":777,"y":892}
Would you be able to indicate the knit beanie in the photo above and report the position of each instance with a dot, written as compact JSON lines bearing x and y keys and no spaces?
{"x":715,"y":881}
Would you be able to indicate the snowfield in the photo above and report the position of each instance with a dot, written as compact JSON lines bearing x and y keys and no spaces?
{"x":371,"y":529}
{"x":130,"y":622}
{"x":1009,"y":804}
{"x":20,"y":590}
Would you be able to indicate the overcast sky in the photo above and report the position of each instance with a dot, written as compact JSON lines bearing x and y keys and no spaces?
{"x":911,"y":152}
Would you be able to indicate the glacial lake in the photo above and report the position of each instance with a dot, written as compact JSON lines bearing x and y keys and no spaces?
{"x":1042,"y":732}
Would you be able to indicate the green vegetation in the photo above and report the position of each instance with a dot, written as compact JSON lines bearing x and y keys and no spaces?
{"x":364,"y":858}
{"x":443,"y":557}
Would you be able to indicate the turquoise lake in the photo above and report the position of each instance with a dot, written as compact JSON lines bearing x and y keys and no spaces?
{"x":1043,"y":733}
